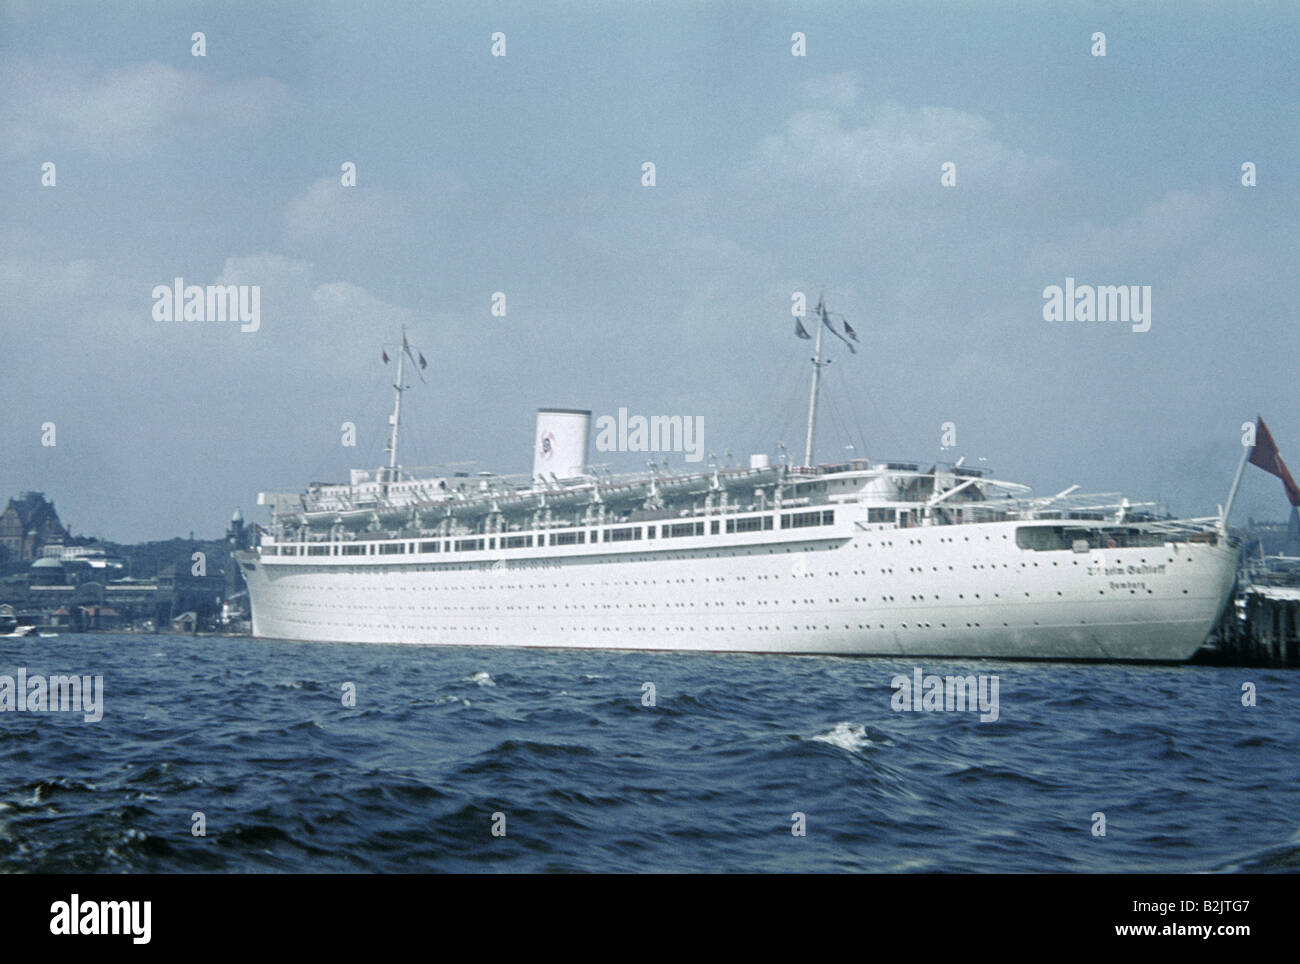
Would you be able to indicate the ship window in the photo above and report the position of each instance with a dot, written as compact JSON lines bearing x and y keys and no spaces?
{"x":684,"y":529}
{"x":392,"y":548}
{"x":290,"y":550}
{"x":430,"y":546}
{"x":801,"y":520}
{"x":752,"y":524}
{"x":468,"y":545}
{"x":318,"y":550}
{"x":1044,"y":538}
{"x":713,"y":527}
{"x":517,"y":542}
{"x":623,"y":535}
{"x":880,"y":515}
{"x":354,"y":550}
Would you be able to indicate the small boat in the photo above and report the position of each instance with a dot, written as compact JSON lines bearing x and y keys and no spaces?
{"x":9,"y":626}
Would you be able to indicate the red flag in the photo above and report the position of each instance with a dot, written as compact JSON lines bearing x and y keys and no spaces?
{"x":1267,"y":457}
{"x":385,"y":354}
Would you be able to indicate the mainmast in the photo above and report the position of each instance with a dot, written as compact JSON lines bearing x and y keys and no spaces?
{"x":396,"y":418}
{"x":816,"y":383}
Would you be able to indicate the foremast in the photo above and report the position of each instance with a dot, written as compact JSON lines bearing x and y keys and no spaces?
{"x":823,"y":324}
{"x":395,"y":420}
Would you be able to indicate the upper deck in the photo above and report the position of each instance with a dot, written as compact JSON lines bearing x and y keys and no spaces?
{"x":491,"y":517}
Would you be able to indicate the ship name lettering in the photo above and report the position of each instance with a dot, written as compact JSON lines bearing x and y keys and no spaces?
{"x":1145,"y":569}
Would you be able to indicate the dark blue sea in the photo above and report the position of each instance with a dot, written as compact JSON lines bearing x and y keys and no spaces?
{"x":254,"y":735}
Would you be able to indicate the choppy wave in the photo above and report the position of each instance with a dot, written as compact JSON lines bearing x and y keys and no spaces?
{"x":846,"y":736}
{"x":459,"y":759}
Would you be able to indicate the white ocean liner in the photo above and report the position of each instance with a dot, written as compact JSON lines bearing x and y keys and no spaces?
{"x":861,"y":558}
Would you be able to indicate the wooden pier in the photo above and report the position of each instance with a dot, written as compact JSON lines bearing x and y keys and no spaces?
{"x":1268,"y":635}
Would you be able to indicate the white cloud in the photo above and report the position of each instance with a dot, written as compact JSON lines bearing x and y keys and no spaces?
{"x":17,"y":9}
{"x":266,"y":269}
{"x":295,"y":301}
{"x":839,"y":90}
{"x":125,"y":113}
{"x":329,"y":212}
{"x":343,"y":299}
{"x":31,"y":282}
{"x":47,"y":300}
{"x":899,"y":146}
{"x":1177,"y":220}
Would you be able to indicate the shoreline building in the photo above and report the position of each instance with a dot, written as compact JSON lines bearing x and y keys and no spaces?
{"x":28,"y":524}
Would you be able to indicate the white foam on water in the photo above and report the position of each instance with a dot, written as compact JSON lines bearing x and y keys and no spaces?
{"x":483,"y":678}
{"x":847,"y":736}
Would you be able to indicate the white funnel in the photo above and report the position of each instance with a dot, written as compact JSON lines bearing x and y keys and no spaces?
{"x":560,"y":443}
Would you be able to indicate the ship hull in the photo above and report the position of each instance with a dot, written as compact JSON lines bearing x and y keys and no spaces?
{"x":963,"y":592}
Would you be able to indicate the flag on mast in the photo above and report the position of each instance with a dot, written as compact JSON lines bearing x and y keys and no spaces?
{"x":406,"y":347}
{"x":385,"y":354}
{"x":826,"y":320}
{"x":1265,"y":455}
{"x":848,"y":330}
{"x":800,"y":330}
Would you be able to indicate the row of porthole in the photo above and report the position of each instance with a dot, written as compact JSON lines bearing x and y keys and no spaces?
{"x":607,"y":629}
{"x":884,"y":598}
{"x":678,"y":629}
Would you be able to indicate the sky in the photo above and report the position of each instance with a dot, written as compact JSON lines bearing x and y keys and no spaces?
{"x":523,"y":174}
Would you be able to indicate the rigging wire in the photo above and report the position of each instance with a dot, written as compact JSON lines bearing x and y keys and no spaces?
{"x":887,"y":426}
{"x":837,"y":424}
{"x":790,"y":409}
{"x":861,"y":437}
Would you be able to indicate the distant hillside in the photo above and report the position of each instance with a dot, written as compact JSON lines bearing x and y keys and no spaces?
{"x":147,"y":559}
